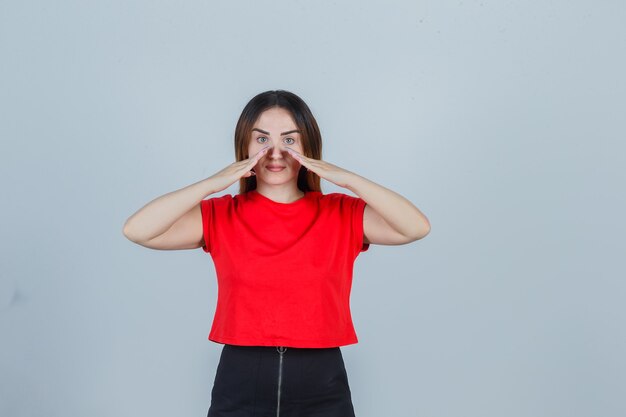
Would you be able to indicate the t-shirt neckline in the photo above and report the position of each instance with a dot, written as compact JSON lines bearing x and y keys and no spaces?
{"x":258,"y":196}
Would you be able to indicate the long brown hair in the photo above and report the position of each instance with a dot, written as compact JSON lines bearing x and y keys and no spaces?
{"x":302,"y":116}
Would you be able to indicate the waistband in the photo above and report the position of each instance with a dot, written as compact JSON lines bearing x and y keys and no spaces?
{"x":280,"y":349}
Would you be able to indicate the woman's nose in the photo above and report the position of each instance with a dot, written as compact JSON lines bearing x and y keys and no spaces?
{"x":276,"y":151}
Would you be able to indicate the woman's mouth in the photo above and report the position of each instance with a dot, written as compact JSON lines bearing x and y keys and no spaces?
{"x":275,"y":168}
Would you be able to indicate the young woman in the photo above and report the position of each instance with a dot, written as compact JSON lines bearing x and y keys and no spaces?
{"x":283,"y":253}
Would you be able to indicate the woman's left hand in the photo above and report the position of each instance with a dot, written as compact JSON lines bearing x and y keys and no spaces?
{"x":328,"y":171}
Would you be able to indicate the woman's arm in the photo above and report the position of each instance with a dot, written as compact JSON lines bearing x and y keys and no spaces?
{"x":173,"y":220}
{"x":160,"y":214}
{"x":389,"y":218}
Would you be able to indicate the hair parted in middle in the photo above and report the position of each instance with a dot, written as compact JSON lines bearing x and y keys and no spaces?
{"x":304,"y":120}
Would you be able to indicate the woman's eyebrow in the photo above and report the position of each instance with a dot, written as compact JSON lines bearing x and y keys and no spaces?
{"x":282,"y":134}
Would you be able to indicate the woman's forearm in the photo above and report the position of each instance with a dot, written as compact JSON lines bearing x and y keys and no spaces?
{"x":160,"y":214}
{"x":396,"y":210}
{"x":156,"y":217}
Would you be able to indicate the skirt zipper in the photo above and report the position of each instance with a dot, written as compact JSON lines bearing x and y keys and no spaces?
{"x":281,"y":350}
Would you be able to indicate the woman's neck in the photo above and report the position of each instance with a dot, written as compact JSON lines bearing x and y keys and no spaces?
{"x":280,"y":194}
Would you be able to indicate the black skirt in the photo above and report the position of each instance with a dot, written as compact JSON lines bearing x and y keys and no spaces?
{"x":271,"y":381}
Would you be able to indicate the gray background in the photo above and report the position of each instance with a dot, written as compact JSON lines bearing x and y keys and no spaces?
{"x":503,"y":121}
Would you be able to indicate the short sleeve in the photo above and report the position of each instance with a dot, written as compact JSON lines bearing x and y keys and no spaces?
{"x":358,"y":209}
{"x":353,"y":209}
{"x":206,"y":207}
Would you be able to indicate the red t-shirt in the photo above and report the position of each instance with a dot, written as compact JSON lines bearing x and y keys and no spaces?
{"x":284,"y":270}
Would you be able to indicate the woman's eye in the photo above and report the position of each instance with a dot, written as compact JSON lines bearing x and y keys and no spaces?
{"x":261,"y":137}
{"x":290,"y":139}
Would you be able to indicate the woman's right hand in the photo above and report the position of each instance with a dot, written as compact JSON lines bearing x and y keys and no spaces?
{"x":239,"y":169}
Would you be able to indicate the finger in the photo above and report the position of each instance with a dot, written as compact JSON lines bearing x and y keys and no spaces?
{"x":252,"y":161}
{"x":262,"y":151}
{"x":290,"y":150}
{"x":304,"y":161}
{"x":301,"y":161}
{"x":295,"y":154}
{"x":260,"y":154}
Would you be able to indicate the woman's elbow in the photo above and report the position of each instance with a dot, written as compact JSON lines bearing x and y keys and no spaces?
{"x":420,"y":232}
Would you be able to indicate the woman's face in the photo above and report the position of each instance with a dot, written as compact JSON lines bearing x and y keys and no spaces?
{"x":276,"y":128}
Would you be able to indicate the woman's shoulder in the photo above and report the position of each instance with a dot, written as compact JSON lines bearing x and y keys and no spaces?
{"x":340,"y":201}
{"x":337,"y":197}
{"x":220,"y":200}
